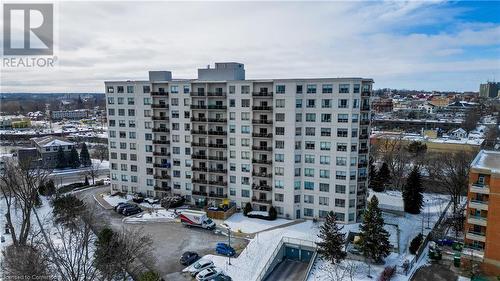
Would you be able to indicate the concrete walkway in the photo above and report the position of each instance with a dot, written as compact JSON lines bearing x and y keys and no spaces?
{"x":105,"y":205}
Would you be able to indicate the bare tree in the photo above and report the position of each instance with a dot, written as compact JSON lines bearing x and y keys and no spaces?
{"x":135,"y":252}
{"x":19,"y":186}
{"x":23,"y":262}
{"x":100,"y":152}
{"x":340,"y":272}
{"x":93,"y":171}
{"x":393,"y":152}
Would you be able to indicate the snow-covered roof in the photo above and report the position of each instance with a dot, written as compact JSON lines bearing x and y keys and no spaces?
{"x":459,"y":131}
{"x":49,"y":141}
{"x":487,"y":160}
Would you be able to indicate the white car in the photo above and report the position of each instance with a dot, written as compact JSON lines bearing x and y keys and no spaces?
{"x":106,"y":181}
{"x":208,"y":274}
{"x":200,"y":265}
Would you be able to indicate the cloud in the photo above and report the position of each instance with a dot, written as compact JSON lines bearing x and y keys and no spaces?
{"x":386,"y":41}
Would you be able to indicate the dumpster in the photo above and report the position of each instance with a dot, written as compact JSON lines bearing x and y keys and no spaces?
{"x":456,"y":260}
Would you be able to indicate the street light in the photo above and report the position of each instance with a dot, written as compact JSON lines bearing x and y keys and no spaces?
{"x":229,"y":238}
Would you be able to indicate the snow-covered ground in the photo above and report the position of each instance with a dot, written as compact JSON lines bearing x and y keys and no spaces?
{"x":161,"y":215}
{"x":115,"y":200}
{"x":239,"y":223}
{"x":97,"y":164}
{"x":248,"y":265}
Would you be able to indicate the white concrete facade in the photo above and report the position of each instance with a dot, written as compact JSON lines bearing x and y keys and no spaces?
{"x":300,"y":145}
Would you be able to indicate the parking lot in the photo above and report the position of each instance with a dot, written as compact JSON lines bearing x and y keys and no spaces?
{"x":170,"y":239}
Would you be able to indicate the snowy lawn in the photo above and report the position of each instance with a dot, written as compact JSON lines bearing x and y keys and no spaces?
{"x":114,"y":200}
{"x":160,"y":215}
{"x":150,"y":206}
{"x":239,"y":223}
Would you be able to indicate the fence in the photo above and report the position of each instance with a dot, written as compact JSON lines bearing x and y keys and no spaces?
{"x":221,"y":215}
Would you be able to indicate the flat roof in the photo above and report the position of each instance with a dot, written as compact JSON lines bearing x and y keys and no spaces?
{"x":487,"y":160}
{"x":270,"y":80}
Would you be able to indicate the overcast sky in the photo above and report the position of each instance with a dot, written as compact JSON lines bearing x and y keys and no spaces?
{"x":412,"y":45}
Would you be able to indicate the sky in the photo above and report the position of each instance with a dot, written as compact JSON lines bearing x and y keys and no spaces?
{"x":421,"y":45}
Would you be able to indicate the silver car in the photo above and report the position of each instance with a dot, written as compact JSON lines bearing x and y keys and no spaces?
{"x":200,"y":265}
{"x":208,"y":274}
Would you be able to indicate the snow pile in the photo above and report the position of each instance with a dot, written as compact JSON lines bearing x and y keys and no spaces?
{"x":154,"y":216}
{"x":115,"y":200}
{"x":239,"y":223}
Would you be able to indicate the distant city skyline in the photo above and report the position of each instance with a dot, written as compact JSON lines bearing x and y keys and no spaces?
{"x":424,"y":45}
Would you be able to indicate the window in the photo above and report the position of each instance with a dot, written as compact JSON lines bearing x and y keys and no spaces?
{"x":280,"y":131}
{"x":279,"y":157}
{"x":309,"y":185}
{"x":280,"y":89}
{"x":232,"y":103}
{"x":245,"y":103}
{"x":327,"y":89}
{"x":245,"y":89}
{"x":343,"y":103}
{"x":298,"y":89}
{"x":325,"y":160}
{"x":147,"y":101}
{"x":110,"y":89}
{"x":245,"y":142}
{"x":298,"y":117}
{"x":119,"y":89}
{"x":280,"y":144}
{"x":341,"y":161}
{"x":340,"y":188}
{"x":186,"y":89}
{"x":278,"y":197}
{"x":308,"y":172}
{"x":344,"y":88}
{"x":341,"y":146}
{"x":245,"y":193}
{"x":340,"y":175}
{"x":146,"y":89}
{"x":356,"y":88}
{"x":280,"y":117}
{"x":245,"y":116}
{"x":326,"y":103}
{"x":343,"y":118}
{"x":342,"y":132}
{"x":120,"y":100}
{"x":309,"y":158}
{"x":279,"y":171}
{"x":298,"y":103}
{"x":280,"y":103}
{"x":308,"y":212}
{"x":311,"y":89}
{"x":323,"y":201}
{"x":245,"y":129}
{"x":174,"y":89}
{"x":131,"y":112}
{"x":324,"y":174}
{"x":355,"y":118}
{"x":309,"y":145}
{"x":324,"y":187}
{"x":298,"y":131}
{"x":309,"y":199}
{"x":326,"y":117}
{"x":311,"y":103}
{"x":339,"y":202}
{"x":310,"y":131}
{"x":325,"y":145}
{"x":130,"y":101}
{"x":326,"y":132}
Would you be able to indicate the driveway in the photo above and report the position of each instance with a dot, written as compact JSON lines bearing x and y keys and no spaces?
{"x":170,"y":239}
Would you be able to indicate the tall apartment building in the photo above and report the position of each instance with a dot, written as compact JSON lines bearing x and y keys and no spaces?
{"x":489,"y":89}
{"x":300,"y":145}
{"x":483,"y":209}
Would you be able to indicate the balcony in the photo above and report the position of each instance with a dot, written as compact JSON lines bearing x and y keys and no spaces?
{"x":262,"y":121}
{"x":262,"y":135}
{"x":201,"y":181}
{"x":199,"y":144}
{"x":477,"y":220}
{"x":213,"y":106}
{"x":161,"y":142}
{"x":363,"y":136}
{"x":194,"y":119}
{"x":217,"y":195}
{"x":363,"y":150}
{"x":365,"y":93}
{"x":262,"y":161}
{"x":262,"y":175}
{"x":161,"y":154}
{"x":362,"y":178}
{"x":160,"y":118}
{"x":199,"y":156}
{"x":199,"y":193}
{"x":217,"y":133}
{"x":362,"y":164}
{"x":193,"y":106}
{"x":217,"y":171}
{"x":159,"y":93}
{"x":217,"y":120}
{"x":365,"y":108}
{"x":478,"y":204}
{"x":477,"y":236}
{"x":479,"y":188}
{"x":262,"y":148}
{"x":262,"y":108}
{"x":217,"y":158}
{"x":197,"y":94}
{"x":262,"y":187}
{"x":262,"y":94}
{"x":262,"y":200}
{"x":218,"y":183}
{"x":217,"y":145}
{"x":159,"y":106}
{"x":162,"y":130}
{"x":162,"y":177}
{"x":216,"y":94}
{"x":364,"y":122}
{"x":162,"y":188}
{"x":199,"y":132}
{"x":162,"y":166}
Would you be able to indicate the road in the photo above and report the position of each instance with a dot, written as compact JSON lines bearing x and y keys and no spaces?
{"x":170,"y":239}
{"x":76,"y":176}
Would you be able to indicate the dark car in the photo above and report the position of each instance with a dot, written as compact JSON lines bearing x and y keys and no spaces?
{"x":221,"y":277}
{"x":172,"y":202}
{"x":224,"y":249}
{"x":120,"y":207}
{"x":189,"y":257}
{"x":131,"y":211}
{"x":138,"y":198}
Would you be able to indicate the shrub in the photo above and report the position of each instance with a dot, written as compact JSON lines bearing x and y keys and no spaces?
{"x":415,"y":243}
{"x":247,"y":209}
{"x":47,"y":189}
{"x":150,"y":276}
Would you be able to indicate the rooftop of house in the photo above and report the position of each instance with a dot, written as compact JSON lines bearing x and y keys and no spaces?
{"x":487,"y":160}
{"x":50,"y":141}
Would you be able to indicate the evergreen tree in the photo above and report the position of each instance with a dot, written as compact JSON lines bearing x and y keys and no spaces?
{"x":415,"y":243}
{"x":74,"y":159}
{"x":331,"y":247}
{"x":87,"y":181}
{"x":247,"y":209}
{"x":384,"y":174}
{"x":374,"y":240}
{"x":61,"y":159}
{"x":273,"y":214}
{"x":85,"y":156}
{"x":412,"y":192}
{"x":372,"y":173}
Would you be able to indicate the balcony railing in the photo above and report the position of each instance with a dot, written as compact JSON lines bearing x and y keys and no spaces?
{"x":217,"y":171}
{"x":363,"y":136}
{"x":217,"y":120}
{"x":161,"y":154}
{"x":213,"y":106}
{"x":198,"y":156}
{"x":217,"y":133}
{"x":161,"y":142}
{"x":262,"y":108}
{"x":262,"y":94}
{"x":480,"y":188}
{"x":365,"y":93}
{"x":161,"y":166}
{"x":477,"y":220}
{"x":195,"y":119}
{"x":217,"y":195}
{"x":162,"y":130}
{"x":199,"y":132}
{"x":364,"y":122}
{"x":194,"y":106}
{"x":262,"y":161}
{"x":154,"y":105}
{"x":262,"y":200}
{"x":365,"y":108}
{"x":262,"y":121}
{"x":262,"y":175}
{"x":263,"y":187}
{"x":217,"y":145}
{"x":159,"y":93}
{"x":262,"y":135}
{"x":362,"y":164}
{"x":162,"y":188}
{"x":363,"y":150}
{"x":162,"y":177}
{"x":217,"y":158}
{"x":263,"y":148}
{"x":216,"y":94}
{"x":159,"y":117}
{"x":200,"y":193}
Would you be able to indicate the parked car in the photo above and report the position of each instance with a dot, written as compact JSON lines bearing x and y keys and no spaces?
{"x":138,"y":198}
{"x":189,"y":257}
{"x":106,"y":181}
{"x":121,"y":206}
{"x":224,"y":249}
{"x":172,"y":202}
{"x":208,"y":273}
{"x":200,"y":265}
{"x":131,"y":210}
{"x":221,"y":277}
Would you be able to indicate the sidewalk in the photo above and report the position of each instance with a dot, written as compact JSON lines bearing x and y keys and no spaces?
{"x":98,"y":198}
